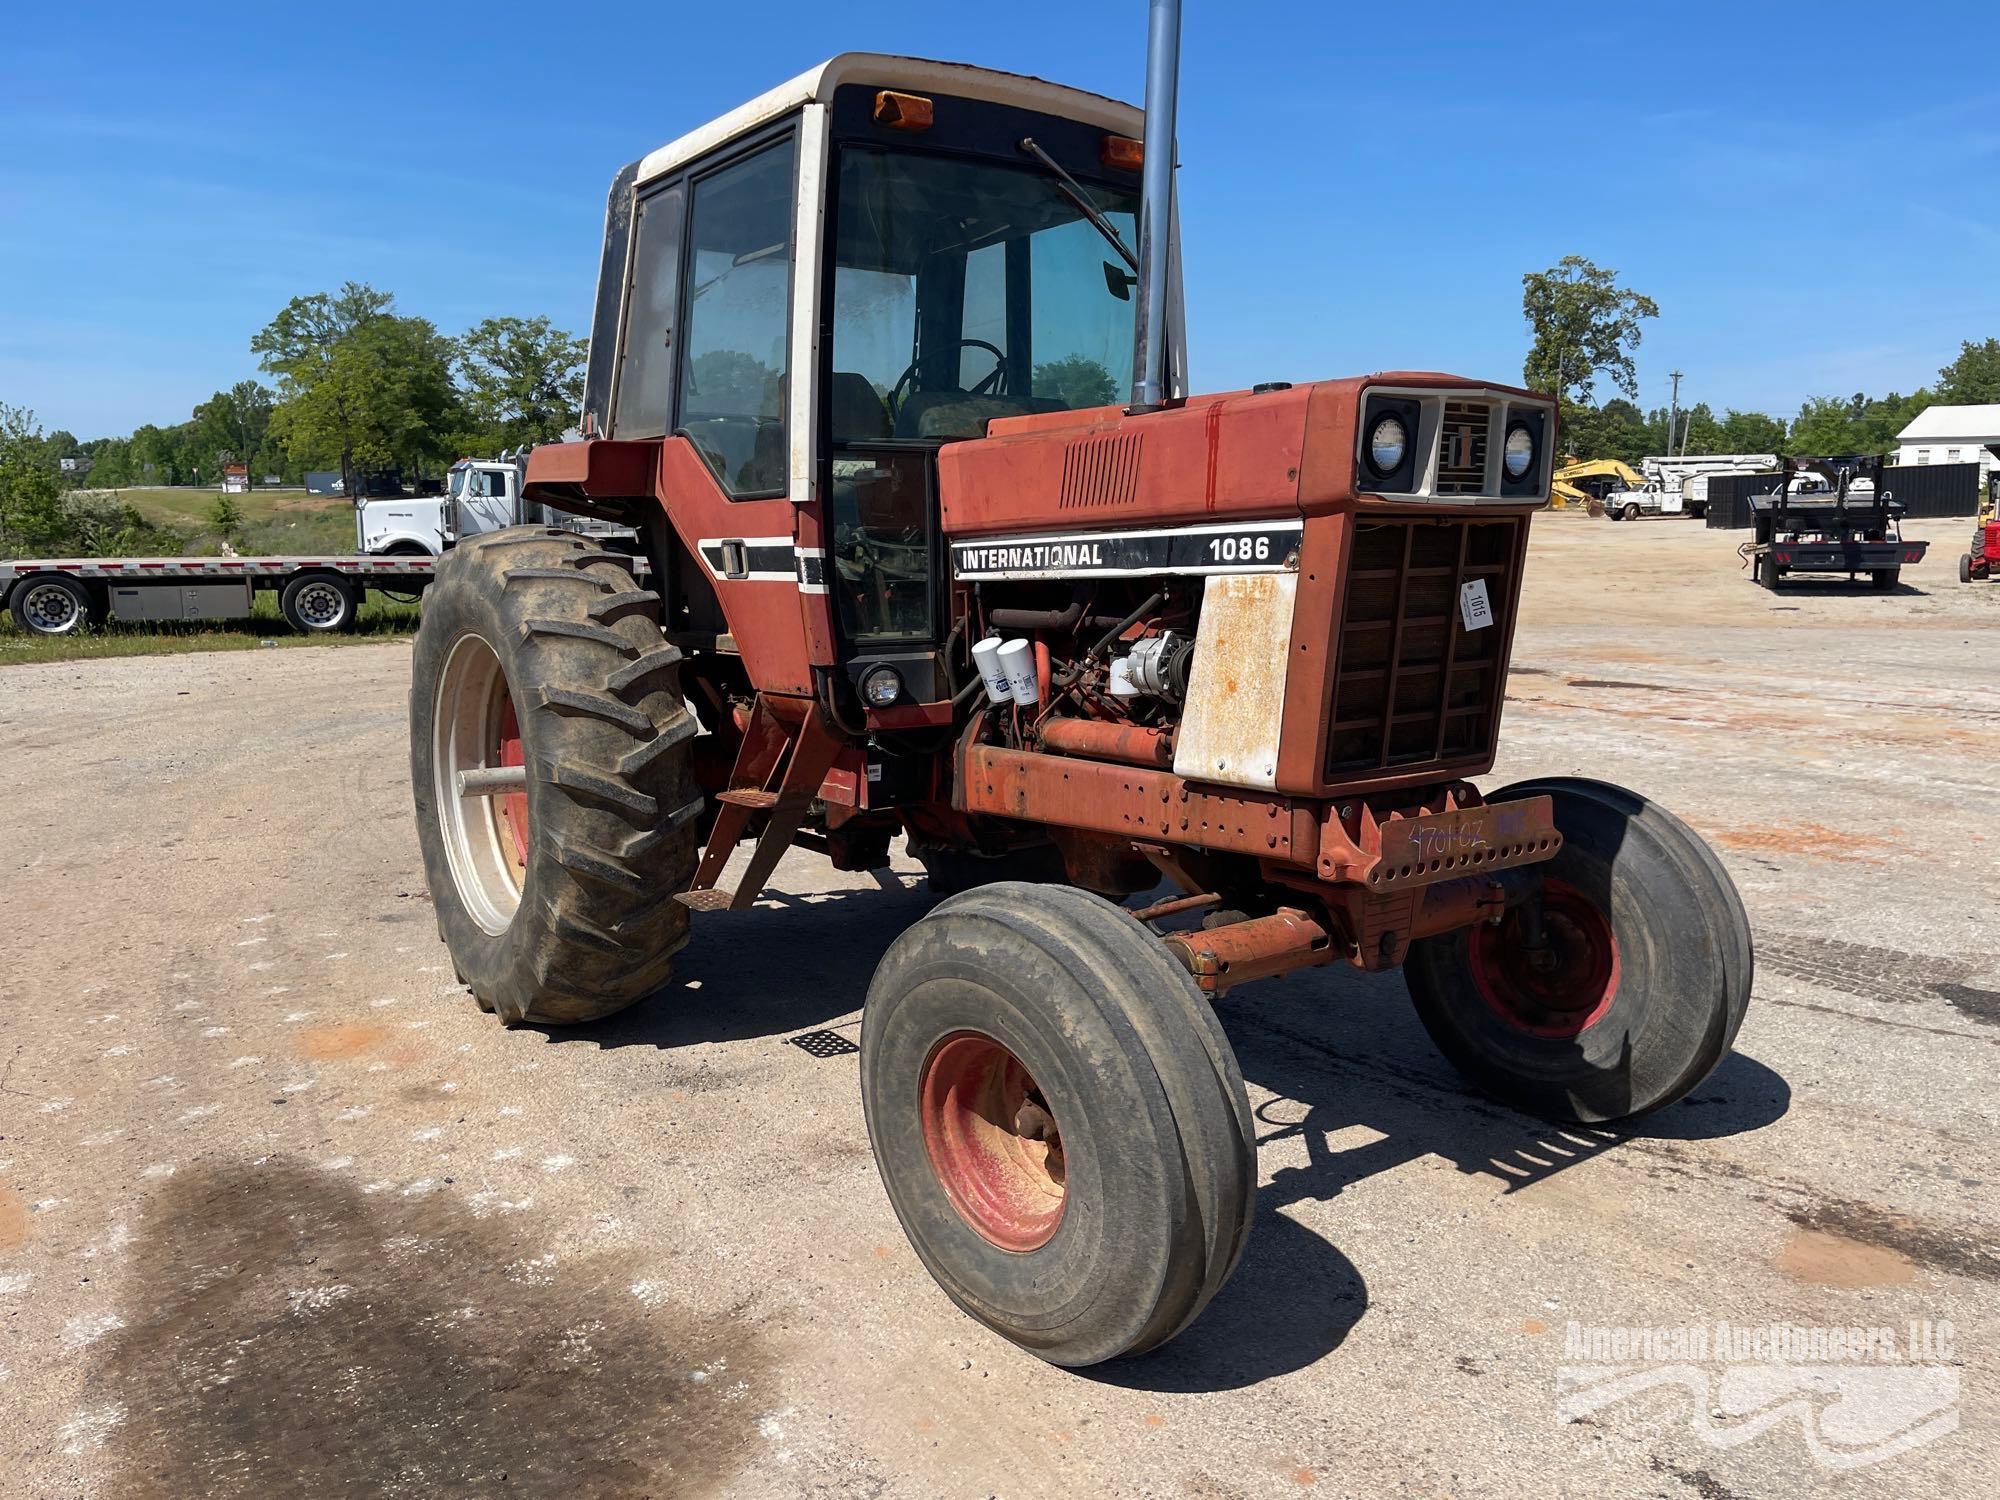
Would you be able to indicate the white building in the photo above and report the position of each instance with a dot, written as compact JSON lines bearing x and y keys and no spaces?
{"x":1953,"y":435}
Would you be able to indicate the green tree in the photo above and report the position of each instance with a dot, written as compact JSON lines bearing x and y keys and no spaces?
{"x":228,"y":518}
{"x":380,"y":394}
{"x":306,"y":328}
{"x":1617,"y":429}
{"x":523,"y":377}
{"x":1076,"y":381}
{"x":1973,"y":379}
{"x":1750,"y":432}
{"x":31,"y":518}
{"x":231,"y":425}
{"x":1584,"y":325}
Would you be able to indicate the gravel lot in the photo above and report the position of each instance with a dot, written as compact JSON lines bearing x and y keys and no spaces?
{"x":281,"y":1212}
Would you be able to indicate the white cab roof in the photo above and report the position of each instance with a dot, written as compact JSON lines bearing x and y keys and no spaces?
{"x":914,"y":74}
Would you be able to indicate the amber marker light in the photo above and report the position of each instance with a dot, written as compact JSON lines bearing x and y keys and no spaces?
{"x":1122,"y":154}
{"x":902,"y":111}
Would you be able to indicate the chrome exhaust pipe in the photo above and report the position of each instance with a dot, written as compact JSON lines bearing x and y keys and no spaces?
{"x":1150,"y":334}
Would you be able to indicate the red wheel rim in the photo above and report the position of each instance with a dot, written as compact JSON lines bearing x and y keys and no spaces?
{"x":1569,"y":995}
{"x":513,"y":806}
{"x":993,"y":1141}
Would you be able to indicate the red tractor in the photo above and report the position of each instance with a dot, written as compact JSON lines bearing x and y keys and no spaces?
{"x":1983,"y":559}
{"x":906,"y":563}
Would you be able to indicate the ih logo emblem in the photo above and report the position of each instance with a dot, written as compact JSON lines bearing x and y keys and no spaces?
{"x":1461,"y":455}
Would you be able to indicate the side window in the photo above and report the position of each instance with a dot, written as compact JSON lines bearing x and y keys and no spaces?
{"x":645,"y":376}
{"x":735,"y":347}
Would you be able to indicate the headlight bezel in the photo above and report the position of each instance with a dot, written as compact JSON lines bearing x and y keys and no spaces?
{"x":1518,"y":428}
{"x":881,"y":675}
{"x":1381,"y":469}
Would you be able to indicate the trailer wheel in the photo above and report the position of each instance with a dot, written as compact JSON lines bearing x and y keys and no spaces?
{"x":320,"y":604}
{"x":553,"y":886}
{"x":54,"y":604}
{"x":1886,"y":579}
{"x":1058,"y":1119}
{"x":1767,"y":571}
{"x":1648,"y":976}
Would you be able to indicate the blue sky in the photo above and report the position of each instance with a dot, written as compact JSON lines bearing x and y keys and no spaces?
{"x":1810,"y":191}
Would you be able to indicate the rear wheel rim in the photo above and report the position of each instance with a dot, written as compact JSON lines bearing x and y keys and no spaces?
{"x":1570,"y":995}
{"x":321,"y":605}
{"x":993,"y":1141}
{"x":474,"y":727}
{"x":51,"y":609}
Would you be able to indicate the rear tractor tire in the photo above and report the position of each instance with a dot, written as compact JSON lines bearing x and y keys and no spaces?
{"x":1058,"y":1119}
{"x":553,"y":884}
{"x":1645,"y":983}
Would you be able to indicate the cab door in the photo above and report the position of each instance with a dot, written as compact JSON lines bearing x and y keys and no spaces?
{"x":488,"y":502}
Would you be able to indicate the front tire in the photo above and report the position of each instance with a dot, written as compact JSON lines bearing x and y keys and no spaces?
{"x":1650,"y":983}
{"x":1058,"y":1119}
{"x":556,"y":900}
{"x":1631,"y":512}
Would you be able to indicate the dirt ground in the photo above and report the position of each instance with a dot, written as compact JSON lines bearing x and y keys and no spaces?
{"x":282,"y":1213}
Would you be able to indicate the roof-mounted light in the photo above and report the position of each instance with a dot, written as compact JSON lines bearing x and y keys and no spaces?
{"x":1122,"y":154}
{"x":902,"y":111}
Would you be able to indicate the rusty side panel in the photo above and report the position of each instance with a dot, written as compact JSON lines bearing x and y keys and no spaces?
{"x":1232,"y":724}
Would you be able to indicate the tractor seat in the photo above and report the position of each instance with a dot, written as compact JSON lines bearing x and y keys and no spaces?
{"x":858,"y":413}
{"x":952,"y":414}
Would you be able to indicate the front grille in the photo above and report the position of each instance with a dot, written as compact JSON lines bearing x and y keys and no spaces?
{"x":1462,"y":448}
{"x":1412,"y":684}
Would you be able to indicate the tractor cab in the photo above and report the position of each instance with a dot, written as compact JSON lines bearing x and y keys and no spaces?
{"x":815,"y":294}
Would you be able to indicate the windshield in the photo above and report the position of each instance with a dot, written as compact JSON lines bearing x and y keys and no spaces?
{"x":456,"y":486}
{"x":967,"y":290}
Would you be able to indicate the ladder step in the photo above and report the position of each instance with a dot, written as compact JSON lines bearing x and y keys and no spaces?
{"x":709,"y":900}
{"x":749,"y":797}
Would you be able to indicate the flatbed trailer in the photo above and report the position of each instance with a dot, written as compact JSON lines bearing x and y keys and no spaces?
{"x":316,"y":595}
{"x":1847,"y":530}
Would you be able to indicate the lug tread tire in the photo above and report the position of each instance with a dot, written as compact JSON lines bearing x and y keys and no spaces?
{"x":1702,"y":913}
{"x":596,"y":926}
{"x":1174,"y":1127}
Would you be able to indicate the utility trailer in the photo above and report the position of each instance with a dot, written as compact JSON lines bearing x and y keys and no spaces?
{"x":316,"y":595}
{"x":1828,"y":517}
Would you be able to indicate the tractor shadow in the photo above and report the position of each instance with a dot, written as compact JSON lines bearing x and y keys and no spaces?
{"x":788,"y":964}
{"x":1343,"y":1053}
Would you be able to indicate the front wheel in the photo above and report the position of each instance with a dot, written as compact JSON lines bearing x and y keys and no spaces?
{"x":56,"y":605}
{"x":1058,"y":1119}
{"x":1639,"y":986}
{"x":1965,"y":567}
{"x":1631,"y":512}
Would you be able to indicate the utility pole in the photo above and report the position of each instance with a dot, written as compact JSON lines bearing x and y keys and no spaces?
{"x":1673,"y":411}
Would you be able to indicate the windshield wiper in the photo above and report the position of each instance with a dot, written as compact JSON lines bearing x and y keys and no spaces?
{"x":1072,"y":190}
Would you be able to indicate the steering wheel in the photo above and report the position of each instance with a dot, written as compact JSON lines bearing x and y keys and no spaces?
{"x":987,"y":387}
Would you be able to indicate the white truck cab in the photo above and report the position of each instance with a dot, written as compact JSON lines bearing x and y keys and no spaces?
{"x":480,"y":495}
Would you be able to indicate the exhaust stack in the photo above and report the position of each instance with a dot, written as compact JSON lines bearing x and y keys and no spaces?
{"x":1156,"y":208}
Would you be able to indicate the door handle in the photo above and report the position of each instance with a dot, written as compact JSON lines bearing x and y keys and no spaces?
{"x":735,"y":559}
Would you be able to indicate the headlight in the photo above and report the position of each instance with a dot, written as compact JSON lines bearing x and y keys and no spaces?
{"x":1519,"y":454}
{"x":881,"y":687}
{"x":1388,"y":441}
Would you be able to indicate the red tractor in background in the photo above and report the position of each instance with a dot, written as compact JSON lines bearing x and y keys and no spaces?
{"x":1984,"y":557}
{"x":908,"y":565}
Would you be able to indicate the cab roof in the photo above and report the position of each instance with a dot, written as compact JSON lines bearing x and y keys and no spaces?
{"x":885,"y":70}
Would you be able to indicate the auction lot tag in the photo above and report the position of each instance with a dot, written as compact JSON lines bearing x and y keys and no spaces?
{"x":1473,"y":605}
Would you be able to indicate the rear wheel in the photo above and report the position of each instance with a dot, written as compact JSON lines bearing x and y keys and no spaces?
{"x":1767,"y":571}
{"x":56,"y":605}
{"x":549,"y":756}
{"x":1886,"y":579}
{"x":1642,"y":984}
{"x":1058,"y":1119}
{"x":320,"y":603}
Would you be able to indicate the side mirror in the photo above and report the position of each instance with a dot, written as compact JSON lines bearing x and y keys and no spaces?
{"x":1119,"y":282}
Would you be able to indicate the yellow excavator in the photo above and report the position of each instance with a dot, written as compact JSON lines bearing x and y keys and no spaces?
{"x":1567,"y":492}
